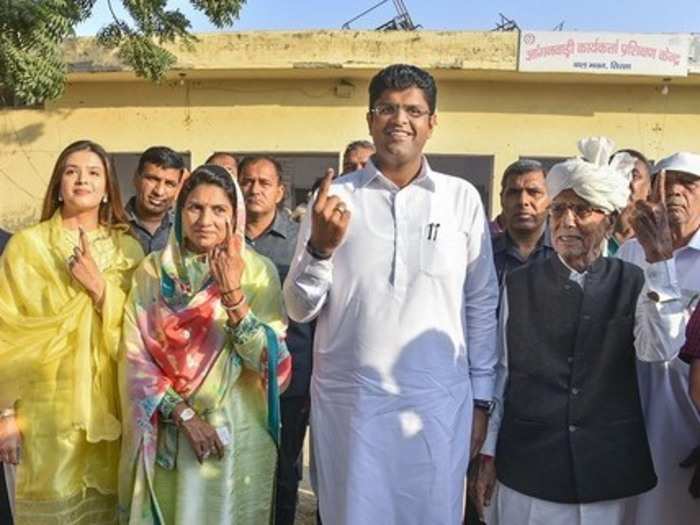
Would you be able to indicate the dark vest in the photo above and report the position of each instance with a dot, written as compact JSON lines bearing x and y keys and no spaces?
{"x":573,"y":429}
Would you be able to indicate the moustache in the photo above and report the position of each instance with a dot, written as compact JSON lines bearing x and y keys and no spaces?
{"x":674,"y":202}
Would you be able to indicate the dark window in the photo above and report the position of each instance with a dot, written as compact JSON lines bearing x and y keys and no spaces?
{"x":547,"y":162}
{"x":477,"y":169}
{"x":299,"y":172}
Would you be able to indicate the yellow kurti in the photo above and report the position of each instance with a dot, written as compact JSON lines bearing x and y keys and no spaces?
{"x":58,"y":358}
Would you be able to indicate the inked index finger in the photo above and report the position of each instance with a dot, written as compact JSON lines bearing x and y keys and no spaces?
{"x":323,"y":189}
{"x":84,"y":243}
{"x":229,"y":233}
{"x":659,"y":189}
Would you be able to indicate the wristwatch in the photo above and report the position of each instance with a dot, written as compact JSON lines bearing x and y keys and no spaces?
{"x":186,"y":415}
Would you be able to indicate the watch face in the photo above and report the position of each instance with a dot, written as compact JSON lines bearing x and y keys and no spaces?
{"x":186,"y":414}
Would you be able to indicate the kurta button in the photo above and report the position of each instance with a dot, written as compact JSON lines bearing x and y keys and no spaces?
{"x":575,"y":391}
{"x":586,"y":317}
{"x":573,"y":428}
{"x":569,"y":359}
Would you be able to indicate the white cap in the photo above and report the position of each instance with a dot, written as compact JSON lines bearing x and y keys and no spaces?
{"x":682,"y":161}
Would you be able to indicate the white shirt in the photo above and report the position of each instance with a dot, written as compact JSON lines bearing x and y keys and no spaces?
{"x":659,"y":331}
{"x":672,"y":421}
{"x":405,"y":340}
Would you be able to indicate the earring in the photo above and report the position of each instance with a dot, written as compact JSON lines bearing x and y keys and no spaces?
{"x":104,"y":198}
{"x":60,"y":198}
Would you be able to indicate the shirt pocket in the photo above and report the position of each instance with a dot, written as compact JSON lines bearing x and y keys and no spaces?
{"x":442,"y":249}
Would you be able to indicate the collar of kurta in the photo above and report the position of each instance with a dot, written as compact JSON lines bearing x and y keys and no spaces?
{"x":567,"y":273}
{"x":370,"y":172}
{"x":694,"y":242}
{"x":130,"y":210}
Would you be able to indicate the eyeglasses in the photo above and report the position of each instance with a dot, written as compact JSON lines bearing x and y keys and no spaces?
{"x":390,"y":110}
{"x":581,"y":211}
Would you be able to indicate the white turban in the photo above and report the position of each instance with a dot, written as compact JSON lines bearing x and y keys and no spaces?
{"x":603,"y":185}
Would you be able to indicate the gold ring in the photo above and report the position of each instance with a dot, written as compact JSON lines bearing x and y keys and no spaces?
{"x":340,"y":209}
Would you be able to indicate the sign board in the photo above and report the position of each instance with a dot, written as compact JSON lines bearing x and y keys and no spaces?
{"x":604,"y":53}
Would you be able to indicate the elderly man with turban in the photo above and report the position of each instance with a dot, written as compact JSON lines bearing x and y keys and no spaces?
{"x":571,"y":445}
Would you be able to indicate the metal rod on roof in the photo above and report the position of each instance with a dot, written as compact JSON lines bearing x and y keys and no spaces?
{"x":346,"y":25}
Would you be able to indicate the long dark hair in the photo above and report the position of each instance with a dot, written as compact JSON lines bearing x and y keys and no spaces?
{"x":111,"y":213}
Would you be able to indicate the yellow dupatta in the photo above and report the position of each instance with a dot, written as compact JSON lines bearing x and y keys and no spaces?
{"x":58,"y":358}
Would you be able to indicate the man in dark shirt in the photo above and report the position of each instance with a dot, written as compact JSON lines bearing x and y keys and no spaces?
{"x":156,"y":180}
{"x":273,"y":234}
{"x":524,"y":202}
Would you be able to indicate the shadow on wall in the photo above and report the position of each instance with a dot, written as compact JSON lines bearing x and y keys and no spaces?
{"x":26,"y":134}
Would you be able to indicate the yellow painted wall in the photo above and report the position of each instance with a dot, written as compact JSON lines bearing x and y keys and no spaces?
{"x":295,"y":111}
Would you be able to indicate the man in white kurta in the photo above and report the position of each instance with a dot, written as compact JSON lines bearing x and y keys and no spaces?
{"x":405,"y":341}
{"x":672,"y":421}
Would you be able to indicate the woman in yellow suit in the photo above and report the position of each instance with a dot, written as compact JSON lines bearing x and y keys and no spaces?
{"x":63,"y":283}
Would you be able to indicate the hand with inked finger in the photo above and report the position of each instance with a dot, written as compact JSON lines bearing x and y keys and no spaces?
{"x":226,"y":262}
{"x":651,"y":225}
{"x":227,"y":265}
{"x":201,"y":436}
{"x":329,"y":219}
{"x":10,"y":440}
{"x":84,"y":269}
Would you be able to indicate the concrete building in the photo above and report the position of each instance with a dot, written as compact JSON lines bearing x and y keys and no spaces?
{"x":303,"y":96}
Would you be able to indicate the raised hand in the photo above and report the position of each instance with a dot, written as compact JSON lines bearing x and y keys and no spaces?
{"x":329,"y":220}
{"x":226,"y":262}
{"x":84,"y":269}
{"x":227,"y":266}
{"x":10,"y":440}
{"x":650,"y":223}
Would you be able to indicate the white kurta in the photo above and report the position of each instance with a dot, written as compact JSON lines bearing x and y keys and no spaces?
{"x":659,"y":331}
{"x":673,"y":423}
{"x":405,"y":340}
